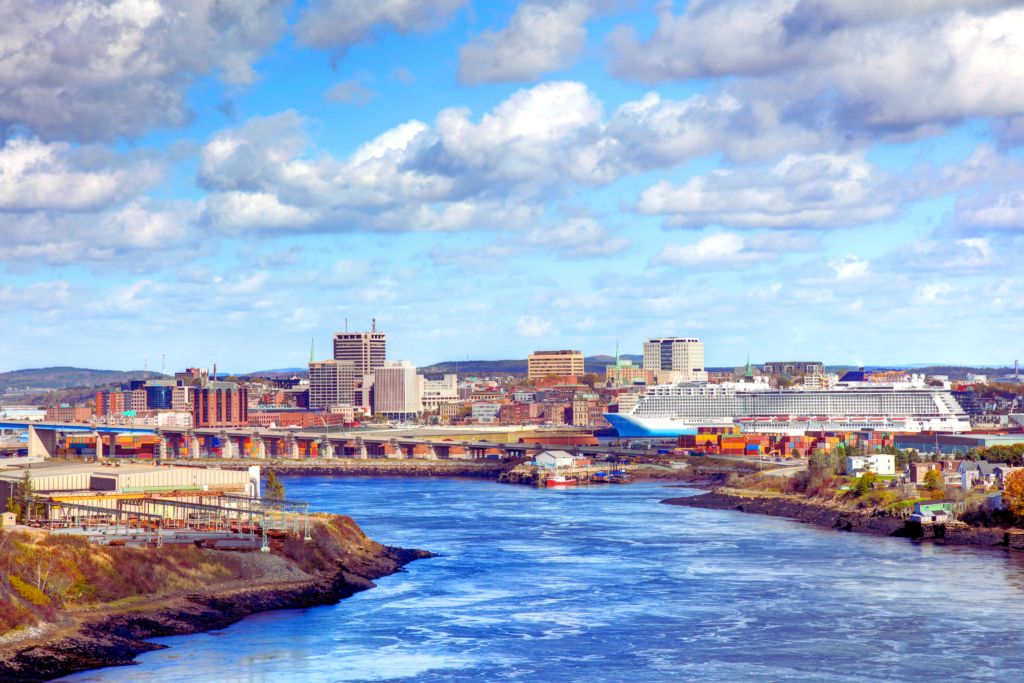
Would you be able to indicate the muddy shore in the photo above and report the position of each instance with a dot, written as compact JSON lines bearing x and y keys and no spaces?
{"x":490,"y":469}
{"x":105,"y":636}
{"x":840,"y":518}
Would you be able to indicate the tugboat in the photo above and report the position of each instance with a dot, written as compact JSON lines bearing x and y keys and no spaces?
{"x":560,"y":480}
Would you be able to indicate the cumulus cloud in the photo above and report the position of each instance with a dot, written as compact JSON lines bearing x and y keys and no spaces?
{"x":539,"y":38}
{"x":958,"y":257}
{"x":577,"y":239}
{"x":819,"y":191}
{"x":459,"y":173}
{"x":351,"y":92}
{"x":96,"y":70}
{"x":717,"y":251}
{"x":39,"y":176}
{"x":337,"y":25}
{"x":39,"y":296}
{"x":907,"y":68}
{"x":533,"y":326}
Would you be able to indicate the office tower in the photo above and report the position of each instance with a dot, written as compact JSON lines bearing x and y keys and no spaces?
{"x":331,"y":383}
{"x":364,"y":349}
{"x":561,"y":363}
{"x":684,"y":356}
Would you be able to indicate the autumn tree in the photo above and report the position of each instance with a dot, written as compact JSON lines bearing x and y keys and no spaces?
{"x":1013,"y":493}
{"x":933,"y":480}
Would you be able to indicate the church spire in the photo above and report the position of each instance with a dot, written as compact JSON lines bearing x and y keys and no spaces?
{"x":750,"y":373}
{"x":312,"y":358}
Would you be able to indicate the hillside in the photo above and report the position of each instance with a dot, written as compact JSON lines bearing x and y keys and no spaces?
{"x":494,"y":367}
{"x":60,"y":377}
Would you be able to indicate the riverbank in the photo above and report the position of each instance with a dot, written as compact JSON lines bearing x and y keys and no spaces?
{"x":340,"y":561}
{"x":841,"y":518}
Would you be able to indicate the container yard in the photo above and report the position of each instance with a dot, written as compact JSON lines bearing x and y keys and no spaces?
{"x":730,"y":441}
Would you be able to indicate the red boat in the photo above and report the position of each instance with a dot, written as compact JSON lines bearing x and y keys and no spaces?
{"x":559,"y":480}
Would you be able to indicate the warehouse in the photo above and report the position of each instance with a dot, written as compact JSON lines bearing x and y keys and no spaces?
{"x":57,"y":478}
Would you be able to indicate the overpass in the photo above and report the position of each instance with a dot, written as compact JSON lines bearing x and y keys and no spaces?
{"x":253,"y":443}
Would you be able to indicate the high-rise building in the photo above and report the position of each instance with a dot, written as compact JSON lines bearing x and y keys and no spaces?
{"x":677,"y":355}
{"x":561,"y":363}
{"x":435,"y":392}
{"x":366,"y":350}
{"x":331,"y":383}
{"x":396,"y":390}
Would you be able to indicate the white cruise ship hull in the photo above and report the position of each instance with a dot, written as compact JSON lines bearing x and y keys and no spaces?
{"x":684,"y":407}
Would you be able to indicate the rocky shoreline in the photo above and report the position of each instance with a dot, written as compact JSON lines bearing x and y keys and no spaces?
{"x":840,"y":518}
{"x":106,"y":636}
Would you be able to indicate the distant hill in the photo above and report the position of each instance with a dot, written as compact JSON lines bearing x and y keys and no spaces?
{"x":61,"y":377}
{"x":604,"y":360}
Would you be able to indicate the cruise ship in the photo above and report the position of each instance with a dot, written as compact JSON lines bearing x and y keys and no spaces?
{"x":682,"y":407}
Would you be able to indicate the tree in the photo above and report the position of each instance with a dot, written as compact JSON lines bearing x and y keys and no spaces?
{"x":24,"y":496}
{"x":589,"y":379}
{"x":933,"y":480}
{"x":865,"y":482}
{"x":1013,"y":493}
{"x":274,"y":487}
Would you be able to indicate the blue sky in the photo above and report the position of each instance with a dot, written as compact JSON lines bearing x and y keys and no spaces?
{"x":221,"y":182}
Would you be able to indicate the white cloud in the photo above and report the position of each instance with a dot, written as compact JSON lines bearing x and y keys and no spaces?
{"x":39,"y":296}
{"x":578,"y":238}
{"x":850,"y":267}
{"x":819,"y":191}
{"x":539,"y":39}
{"x":533,"y":326}
{"x":38,"y":176}
{"x":903,"y":67}
{"x":99,"y":70}
{"x":717,"y":251}
{"x":338,"y":25}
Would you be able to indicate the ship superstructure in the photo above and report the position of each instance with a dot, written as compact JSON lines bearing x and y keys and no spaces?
{"x":681,"y":407}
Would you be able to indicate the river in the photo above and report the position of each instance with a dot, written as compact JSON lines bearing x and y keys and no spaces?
{"x":604,"y":584}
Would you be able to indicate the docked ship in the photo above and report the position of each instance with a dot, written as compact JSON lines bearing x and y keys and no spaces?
{"x":683,"y":407}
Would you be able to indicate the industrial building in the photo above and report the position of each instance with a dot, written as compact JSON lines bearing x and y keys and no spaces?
{"x":562,"y":363}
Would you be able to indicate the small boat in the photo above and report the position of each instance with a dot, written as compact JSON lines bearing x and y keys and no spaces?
{"x":559,"y":480}
{"x":802,"y":418}
{"x":782,"y":418}
{"x":822,"y":418}
{"x":744,"y":419}
{"x":620,"y":477}
{"x":899,"y":419}
{"x":839,"y":419}
{"x":858,"y":419}
{"x":599,"y":478}
{"x":765,"y":419}
{"x":878,"y":419}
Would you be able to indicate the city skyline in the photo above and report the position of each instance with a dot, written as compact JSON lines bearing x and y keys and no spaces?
{"x":485,"y":188}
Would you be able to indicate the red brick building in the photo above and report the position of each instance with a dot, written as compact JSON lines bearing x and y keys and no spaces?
{"x":66,"y":413}
{"x":221,"y":404}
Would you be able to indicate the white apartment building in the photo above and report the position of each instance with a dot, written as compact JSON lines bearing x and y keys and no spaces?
{"x":396,"y":390}
{"x":435,"y":392}
{"x":486,"y":413}
{"x":331,"y":382}
{"x":676,"y":354}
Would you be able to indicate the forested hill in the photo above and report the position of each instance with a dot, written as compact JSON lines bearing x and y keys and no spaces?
{"x":60,"y":377}
{"x":497,"y":367}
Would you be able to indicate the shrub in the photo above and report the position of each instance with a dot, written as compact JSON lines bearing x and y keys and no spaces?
{"x":30,"y":593}
{"x":13,"y":616}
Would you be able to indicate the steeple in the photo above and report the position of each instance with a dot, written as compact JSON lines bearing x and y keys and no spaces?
{"x":750,"y":373}
{"x":617,"y":364}
{"x":312,"y":358}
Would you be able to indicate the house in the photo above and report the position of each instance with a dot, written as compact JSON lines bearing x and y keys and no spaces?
{"x":554,"y":459}
{"x":9,"y":519}
{"x":933,"y":510}
{"x":879,"y":463}
{"x":919,"y":469}
{"x":1001,"y":473}
{"x":994,"y":501}
{"x":979,"y":473}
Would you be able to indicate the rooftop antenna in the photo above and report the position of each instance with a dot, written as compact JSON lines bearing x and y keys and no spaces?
{"x":374,"y":325}
{"x":163,"y":364}
{"x":312,"y":358}
{"x":145,"y":365}
{"x":346,"y":324}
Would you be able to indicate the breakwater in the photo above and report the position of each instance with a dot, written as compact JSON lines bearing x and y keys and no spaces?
{"x":490,"y":469}
{"x":841,"y":518}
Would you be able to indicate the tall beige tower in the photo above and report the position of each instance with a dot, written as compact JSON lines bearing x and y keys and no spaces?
{"x":366,"y":350}
{"x":681,"y":355}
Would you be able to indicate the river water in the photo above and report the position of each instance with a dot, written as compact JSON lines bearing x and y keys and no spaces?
{"x":604,"y":584}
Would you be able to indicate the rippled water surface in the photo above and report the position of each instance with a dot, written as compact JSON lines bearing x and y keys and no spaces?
{"x":604,"y":584}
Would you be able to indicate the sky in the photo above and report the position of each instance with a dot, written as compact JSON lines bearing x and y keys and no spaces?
{"x":192,"y":182}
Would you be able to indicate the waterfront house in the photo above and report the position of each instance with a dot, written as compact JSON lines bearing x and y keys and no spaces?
{"x":933,"y":510}
{"x":994,"y":501}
